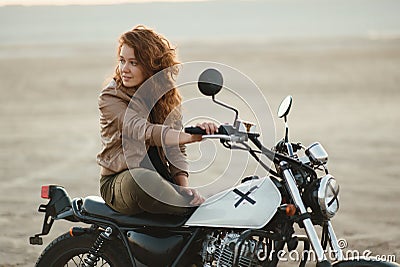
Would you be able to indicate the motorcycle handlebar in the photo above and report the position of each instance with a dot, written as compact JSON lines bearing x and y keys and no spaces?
{"x":195,"y":130}
{"x":273,"y":156}
{"x":223,"y":133}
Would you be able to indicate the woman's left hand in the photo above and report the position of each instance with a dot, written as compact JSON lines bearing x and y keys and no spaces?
{"x":197,"y":198}
{"x":182,"y":181}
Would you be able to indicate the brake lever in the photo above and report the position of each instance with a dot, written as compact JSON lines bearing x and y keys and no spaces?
{"x":296,"y":147}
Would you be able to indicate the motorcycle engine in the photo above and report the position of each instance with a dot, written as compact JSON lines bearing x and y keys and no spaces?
{"x":219,"y":250}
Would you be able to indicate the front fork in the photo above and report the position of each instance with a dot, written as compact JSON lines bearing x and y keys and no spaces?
{"x":308,"y":225}
{"x":334,"y":242}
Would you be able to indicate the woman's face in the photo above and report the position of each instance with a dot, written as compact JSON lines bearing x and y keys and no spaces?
{"x":129,"y":68}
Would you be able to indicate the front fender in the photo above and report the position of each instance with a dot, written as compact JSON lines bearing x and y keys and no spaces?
{"x":364,"y":262}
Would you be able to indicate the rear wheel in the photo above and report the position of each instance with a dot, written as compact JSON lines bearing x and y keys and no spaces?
{"x":67,"y":250}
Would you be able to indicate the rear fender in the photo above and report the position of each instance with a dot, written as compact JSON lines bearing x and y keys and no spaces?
{"x":59,"y":201}
{"x":59,"y":207}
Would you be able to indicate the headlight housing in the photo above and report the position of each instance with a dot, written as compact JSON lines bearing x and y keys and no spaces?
{"x":328,"y":196}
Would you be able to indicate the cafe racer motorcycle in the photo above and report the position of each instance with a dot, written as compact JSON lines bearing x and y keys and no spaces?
{"x":246,"y":225}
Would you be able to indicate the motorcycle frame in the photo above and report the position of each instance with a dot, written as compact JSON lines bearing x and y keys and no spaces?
{"x":121,"y":231}
{"x":74,"y":213}
{"x":286,"y":163}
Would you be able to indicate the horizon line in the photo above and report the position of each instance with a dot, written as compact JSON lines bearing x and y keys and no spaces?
{"x":29,"y":3}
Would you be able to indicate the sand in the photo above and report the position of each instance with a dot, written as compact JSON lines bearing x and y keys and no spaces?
{"x":346,"y":95}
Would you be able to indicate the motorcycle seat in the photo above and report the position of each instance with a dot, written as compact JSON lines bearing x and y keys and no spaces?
{"x":96,"y":207}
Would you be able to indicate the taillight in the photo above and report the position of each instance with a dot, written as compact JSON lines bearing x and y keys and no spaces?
{"x":45,"y":193}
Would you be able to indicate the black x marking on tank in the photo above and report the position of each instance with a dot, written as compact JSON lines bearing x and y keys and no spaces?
{"x":244,"y":196}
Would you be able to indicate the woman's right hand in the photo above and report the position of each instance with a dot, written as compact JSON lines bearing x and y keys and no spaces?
{"x":177,"y":137}
{"x":209,"y":127}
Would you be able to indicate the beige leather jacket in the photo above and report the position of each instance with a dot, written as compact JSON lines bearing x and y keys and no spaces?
{"x":126,"y":133}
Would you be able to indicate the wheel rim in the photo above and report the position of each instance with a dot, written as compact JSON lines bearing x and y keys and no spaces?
{"x":78,"y":260}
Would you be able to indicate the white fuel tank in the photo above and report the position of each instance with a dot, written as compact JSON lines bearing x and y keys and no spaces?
{"x":249,"y":205}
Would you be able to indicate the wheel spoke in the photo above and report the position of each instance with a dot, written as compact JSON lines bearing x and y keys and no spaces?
{"x":78,"y":260}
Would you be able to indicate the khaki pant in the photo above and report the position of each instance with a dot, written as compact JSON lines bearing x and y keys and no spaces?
{"x":142,"y":190}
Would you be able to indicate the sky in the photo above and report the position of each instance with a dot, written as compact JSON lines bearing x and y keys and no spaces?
{"x":81,"y":2}
{"x":213,"y":20}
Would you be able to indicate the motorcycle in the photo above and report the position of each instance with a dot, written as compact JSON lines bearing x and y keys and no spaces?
{"x":247,"y":225}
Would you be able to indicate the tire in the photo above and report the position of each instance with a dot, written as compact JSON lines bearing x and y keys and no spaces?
{"x":67,"y":250}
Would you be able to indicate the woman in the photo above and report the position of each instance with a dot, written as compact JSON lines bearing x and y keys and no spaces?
{"x":143,"y":151}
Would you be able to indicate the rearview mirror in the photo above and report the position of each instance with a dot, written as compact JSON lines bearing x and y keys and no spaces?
{"x":284,"y":107}
{"x":210,"y":82}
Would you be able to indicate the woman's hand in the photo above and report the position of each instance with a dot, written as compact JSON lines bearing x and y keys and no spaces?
{"x":197,"y":198}
{"x":173,"y":136}
{"x":183,"y":182}
{"x":209,"y":127}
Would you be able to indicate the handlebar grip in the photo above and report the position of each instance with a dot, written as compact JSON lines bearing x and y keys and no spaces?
{"x":194,"y":130}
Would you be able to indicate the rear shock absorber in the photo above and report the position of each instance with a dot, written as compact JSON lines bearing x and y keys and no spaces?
{"x":93,"y":256}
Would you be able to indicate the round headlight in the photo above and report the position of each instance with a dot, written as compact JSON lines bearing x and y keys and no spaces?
{"x":328,"y":196}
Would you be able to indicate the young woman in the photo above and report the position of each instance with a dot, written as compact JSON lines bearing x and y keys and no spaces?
{"x":143,"y":153}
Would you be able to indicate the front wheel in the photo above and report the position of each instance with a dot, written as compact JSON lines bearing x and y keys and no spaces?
{"x":67,"y":250}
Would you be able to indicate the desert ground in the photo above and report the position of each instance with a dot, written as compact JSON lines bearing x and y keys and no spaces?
{"x":346,"y":96}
